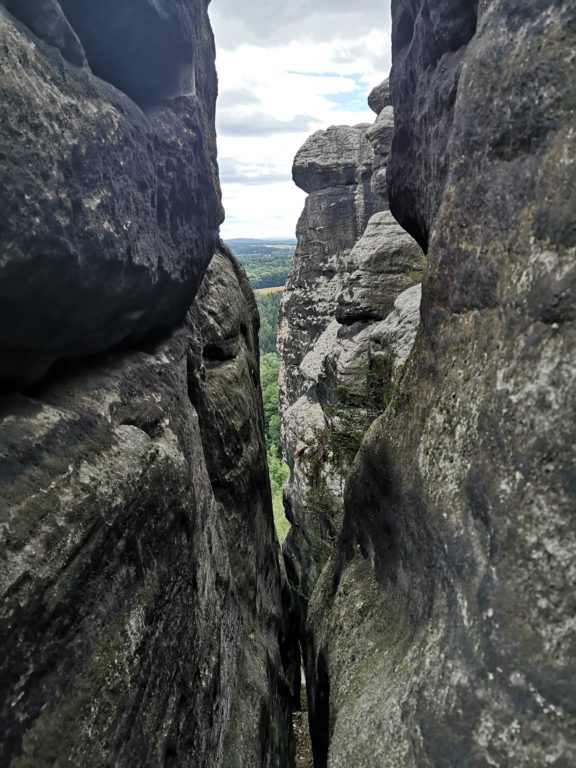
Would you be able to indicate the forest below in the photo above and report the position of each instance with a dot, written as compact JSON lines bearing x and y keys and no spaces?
{"x":267,"y":265}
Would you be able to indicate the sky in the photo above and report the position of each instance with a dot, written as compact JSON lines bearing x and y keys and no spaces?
{"x":287,"y":68}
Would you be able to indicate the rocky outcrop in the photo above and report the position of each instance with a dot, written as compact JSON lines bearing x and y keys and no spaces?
{"x":429,"y":45}
{"x":350,"y":266}
{"x":379,"y":97}
{"x":382,"y":264}
{"x":110,"y":207}
{"x":343,"y":341}
{"x":441,"y":632}
{"x":380,"y":136}
{"x":224,"y":386}
{"x":141,"y":596}
{"x":141,"y":618}
{"x":334,"y":167}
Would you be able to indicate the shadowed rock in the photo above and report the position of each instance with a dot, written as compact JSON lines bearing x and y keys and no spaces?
{"x":150,"y":49}
{"x":141,"y":597}
{"x":444,"y":622}
{"x":47,"y":21}
{"x":109,"y":213}
{"x":379,"y":97}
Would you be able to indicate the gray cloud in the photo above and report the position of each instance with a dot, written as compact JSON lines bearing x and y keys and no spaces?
{"x":254,"y":181}
{"x":355,"y":52}
{"x":271,"y":22}
{"x":261,"y":124}
{"x":235,"y":97}
{"x":233,"y":172}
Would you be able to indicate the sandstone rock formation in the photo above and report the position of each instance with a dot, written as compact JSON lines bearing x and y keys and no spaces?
{"x":141,"y":619}
{"x":141,"y":605}
{"x":110,"y":208}
{"x":379,"y":97}
{"x":382,"y":264}
{"x":348,"y":322}
{"x":334,"y":167}
{"x":441,"y":633}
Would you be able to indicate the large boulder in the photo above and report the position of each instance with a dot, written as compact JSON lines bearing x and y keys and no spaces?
{"x":442,"y":633}
{"x":141,"y":610}
{"x":335,"y":167}
{"x":110,"y":212}
{"x":379,"y":97}
{"x":382,"y":264}
{"x":335,"y":158}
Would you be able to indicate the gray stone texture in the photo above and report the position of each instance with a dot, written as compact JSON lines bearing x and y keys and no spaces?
{"x":335,"y":167}
{"x":348,"y":322}
{"x":141,"y":598}
{"x":141,"y":610}
{"x":380,"y":135}
{"x":443,"y":631}
{"x":351,"y":264}
{"x":382,"y":264}
{"x":379,"y":97}
{"x":110,"y":208}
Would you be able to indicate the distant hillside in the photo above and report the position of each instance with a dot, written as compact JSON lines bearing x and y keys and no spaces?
{"x":261,"y":241}
{"x":267,"y":262}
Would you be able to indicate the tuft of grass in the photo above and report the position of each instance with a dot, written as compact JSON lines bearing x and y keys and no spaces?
{"x":278,"y":472}
{"x":281,"y":524}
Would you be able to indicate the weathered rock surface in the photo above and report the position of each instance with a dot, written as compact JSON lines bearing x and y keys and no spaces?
{"x":429,"y":48}
{"x":382,"y":264}
{"x":109,"y":212}
{"x":379,"y":97}
{"x":141,"y":614}
{"x":140,"y":588}
{"x":348,"y":270}
{"x":348,"y":322}
{"x":380,"y":136}
{"x":47,"y":21}
{"x":355,"y":347}
{"x":335,"y":167}
{"x":224,"y":386}
{"x":442,"y":633}
{"x":150,"y":49}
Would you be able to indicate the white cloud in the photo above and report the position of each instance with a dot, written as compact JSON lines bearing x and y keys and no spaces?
{"x":289,"y":69}
{"x":270,"y":22}
{"x":260,"y":210}
{"x":261,"y":124}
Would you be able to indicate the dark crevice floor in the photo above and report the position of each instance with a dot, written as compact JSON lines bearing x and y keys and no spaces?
{"x":303,"y":744}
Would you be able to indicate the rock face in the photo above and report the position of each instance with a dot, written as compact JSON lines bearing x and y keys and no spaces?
{"x":348,"y":322}
{"x":441,"y":633}
{"x":335,"y":167}
{"x":141,"y":617}
{"x":224,"y":386}
{"x":110,"y":207}
{"x":380,"y":135}
{"x":380,"y":266}
{"x":429,"y":44}
{"x":140,"y":595}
